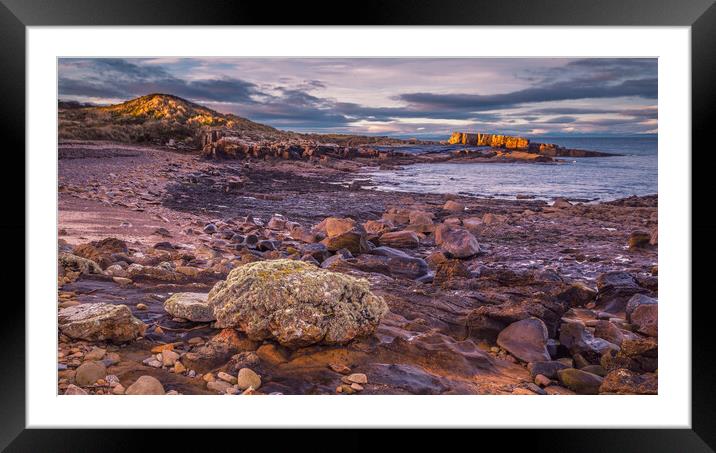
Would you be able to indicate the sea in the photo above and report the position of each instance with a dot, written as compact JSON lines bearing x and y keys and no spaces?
{"x":631,"y":171}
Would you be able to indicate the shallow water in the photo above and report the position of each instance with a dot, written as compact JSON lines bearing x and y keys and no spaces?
{"x":633,"y":172}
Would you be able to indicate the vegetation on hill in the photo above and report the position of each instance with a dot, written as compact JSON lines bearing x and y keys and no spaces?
{"x":154,"y":118}
{"x":161,"y":119}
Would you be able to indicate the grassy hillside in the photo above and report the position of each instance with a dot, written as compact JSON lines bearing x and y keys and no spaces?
{"x":154,"y":118}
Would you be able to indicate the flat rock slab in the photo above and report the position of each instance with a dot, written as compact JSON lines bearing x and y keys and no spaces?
{"x":191,"y":306}
{"x":100,"y":322}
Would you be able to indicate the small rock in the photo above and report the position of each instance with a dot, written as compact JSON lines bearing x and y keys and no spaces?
{"x":90,"y":372}
{"x":169,"y":358}
{"x":580,"y":381}
{"x":357,"y":378}
{"x":146,"y":385}
{"x":218,"y":386}
{"x":118,"y":389}
{"x":74,"y":390}
{"x":142,"y":307}
{"x":226,"y":377}
{"x":248,"y":378}
{"x":95,"y":354}
{"x":338,"y":368}
{"x":453,"y":206}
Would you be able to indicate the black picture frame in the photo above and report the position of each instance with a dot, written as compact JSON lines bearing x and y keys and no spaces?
{"x":700,"y":15}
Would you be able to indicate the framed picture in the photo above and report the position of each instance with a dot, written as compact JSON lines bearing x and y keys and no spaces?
{"x":427,"y":216}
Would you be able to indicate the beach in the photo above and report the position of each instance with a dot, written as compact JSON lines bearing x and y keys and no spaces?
{"x":458,"y":270}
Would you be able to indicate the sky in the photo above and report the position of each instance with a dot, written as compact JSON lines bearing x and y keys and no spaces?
{"x":416,"y":97}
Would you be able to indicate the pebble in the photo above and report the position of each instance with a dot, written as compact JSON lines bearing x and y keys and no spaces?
{"x":179,"y":367}
{"x":209,"y":377}
{"x":74,"y":390}
{"x":95,"y":354}
{"x":141,"y":306}
{"x":162,"y":347}
{"x":338,"y":368}
{"x":169,"y":358}
{"x":118,"y":389}
{"x":226,"y":377}
{"x":357,"y":378}
{"x":218,"y":386}
{"x":248,"y":378}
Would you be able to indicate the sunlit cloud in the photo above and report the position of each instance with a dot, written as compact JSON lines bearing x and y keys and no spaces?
{"x":393,"y":96}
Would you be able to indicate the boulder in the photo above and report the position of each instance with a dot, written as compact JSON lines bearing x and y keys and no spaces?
{"x":526,"y":340}
{"x":624,"y":382}
{"x":453,"y":206}
{"x":614,"y":289}
{"x":490,"y":218}
{"x":400,"y":239}
{"x":638,"y":300}
{"x":74,"y":263}
{"x":575,"y":337}
{"x":608,"y":331}
{"x":458,"y":243}
{"x":646,"y":319}
{"x":296,"y":303}
{"x":353,"y":241}
{"x":637,"y":353}
{"x":378,"y":226}
{"x":146,"y":385}
{"x":400,"y":263}
{"x":100,"y":322}
{"x":420,"y":218}
{"x":191,"y":306}
{"x":89,"y":372}
{"x":334,"y":226}
{"x":248,"y":378}
{"x":580,"y":381}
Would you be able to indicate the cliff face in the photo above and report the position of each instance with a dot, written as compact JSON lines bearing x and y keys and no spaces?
{"x":492,"y":140}
{"x":520,"y":144}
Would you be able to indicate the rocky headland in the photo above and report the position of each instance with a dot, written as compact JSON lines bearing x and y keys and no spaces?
{"x":261,"y":265}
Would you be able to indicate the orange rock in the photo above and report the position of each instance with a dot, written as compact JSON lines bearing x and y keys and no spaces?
{"x":163,"y":347}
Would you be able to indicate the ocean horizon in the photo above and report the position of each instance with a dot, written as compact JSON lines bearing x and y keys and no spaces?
{"x":632,"y":171}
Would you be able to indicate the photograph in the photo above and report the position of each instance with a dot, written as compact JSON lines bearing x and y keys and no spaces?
{"x":363,"y":225}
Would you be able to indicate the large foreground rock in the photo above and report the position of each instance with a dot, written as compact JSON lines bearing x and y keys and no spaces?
{"x":296,"y":303}
{"x":100,"y":322}
{"x":191,"y":306}
{"x":526,"y":340}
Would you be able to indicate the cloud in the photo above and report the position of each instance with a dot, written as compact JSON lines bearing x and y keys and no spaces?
{"x":396,"y":95}
{"x":559,"y":91}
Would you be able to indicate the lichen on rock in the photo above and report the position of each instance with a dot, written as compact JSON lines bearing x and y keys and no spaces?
{"x":296,"y":303}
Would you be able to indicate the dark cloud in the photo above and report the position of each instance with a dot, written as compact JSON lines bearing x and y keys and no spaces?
{"x":108,"y":77}
{"x":304,"y":103}
{"x":560,"y":91}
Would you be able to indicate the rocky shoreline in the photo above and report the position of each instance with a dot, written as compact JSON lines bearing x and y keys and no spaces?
{"x":160,"y":250}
